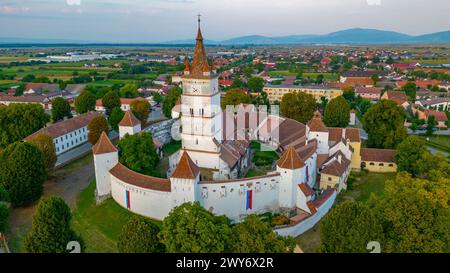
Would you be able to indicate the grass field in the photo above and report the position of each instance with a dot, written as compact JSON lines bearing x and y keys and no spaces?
{"x":100,"y":225}
{"x":171,"y":147}
{"x":262,"y":158}
{"x":441,"y":140}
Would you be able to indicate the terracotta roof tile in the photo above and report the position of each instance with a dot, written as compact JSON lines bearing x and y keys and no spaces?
{"x":103,"y":145}
{"x":186,"y":168}
{"x":140,"y":180}
{"x":335,"y":134}
{"x":352,"y":134}
{"x":377,"y":155}
{"x":316,"y":124}
{"x":290,"y":160}
{"x":306,"y":189}
{"x":129,"y":120}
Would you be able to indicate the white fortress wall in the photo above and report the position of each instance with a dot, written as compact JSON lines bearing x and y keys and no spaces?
{"x":230,"y":197}
{"x":146,"y":202}
{"x":309,"y":222}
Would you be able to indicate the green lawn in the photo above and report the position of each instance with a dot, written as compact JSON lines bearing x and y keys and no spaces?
{"x":258,"y":171}
{"x":100,"y":225}
{"x":262,"y":158}
{"x":441,"y":141}
{"x":171,"y":147}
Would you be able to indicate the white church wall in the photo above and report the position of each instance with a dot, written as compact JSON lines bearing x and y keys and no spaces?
{"x":230,"y":198}
{"x":103,"y":163}
{"x":183,"y":190}
{"x":146,"y":202}
{"x":322,"y":141}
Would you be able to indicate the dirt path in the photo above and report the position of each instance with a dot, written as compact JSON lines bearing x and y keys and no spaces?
{"x":66,"y":183}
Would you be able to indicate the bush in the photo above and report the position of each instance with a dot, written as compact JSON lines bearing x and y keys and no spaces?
{"x":4,"y":214}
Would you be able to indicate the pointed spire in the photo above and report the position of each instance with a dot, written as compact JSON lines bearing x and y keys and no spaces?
{"x":129,"y":120}
{"x":290,"y":159}
{"x":186,"y":168}
{"x":200,"y":64}
{"x":103,"y":145}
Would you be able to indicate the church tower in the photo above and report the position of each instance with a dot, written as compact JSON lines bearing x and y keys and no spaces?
{"x":201,"y":115}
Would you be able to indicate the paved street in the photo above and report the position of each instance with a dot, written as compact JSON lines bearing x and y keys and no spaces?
{"x":79,"y":151}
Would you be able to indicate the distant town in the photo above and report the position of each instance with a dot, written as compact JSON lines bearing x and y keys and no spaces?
{"x":361,"y":133}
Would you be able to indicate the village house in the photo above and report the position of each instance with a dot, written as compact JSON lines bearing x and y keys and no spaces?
{"x":67,"y":134}
{"x":124,"y":104}
{"x":370,"y":93}
{"x":399,"y":97}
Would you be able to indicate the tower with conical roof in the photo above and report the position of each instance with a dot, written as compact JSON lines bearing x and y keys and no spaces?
{"x":201,"y":115}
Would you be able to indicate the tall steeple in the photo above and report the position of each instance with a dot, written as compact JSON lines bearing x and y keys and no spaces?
{"x":200,"y":65}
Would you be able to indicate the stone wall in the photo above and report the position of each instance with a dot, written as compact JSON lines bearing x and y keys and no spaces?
{"x":161,"y":130}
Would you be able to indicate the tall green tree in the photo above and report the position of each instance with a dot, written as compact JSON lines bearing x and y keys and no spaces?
{"x":235,"y":96}
{"x":138,"y":153}
{"x":384,"y":124}
{"x":337,"y":113}
{"x":298,"y":105}
{"x":348,"y":93}
{"x":19,"y":120}
{"x":431,"y":124}
{"x":115,"y":117}
{"x":170,"y":100}
{"x":129,"y":91}
{"x":348,"y":228}
{"x":255,"y":84}
{"x":60,"y":109}
{"x":256,"y":236}
{"x":415,"y":215}
{"x":409,"y":155}
{"x":410,"y":89}
{"x":110,"y":101}
{"x":139,"y":235}
{"x":189,"y":228}
{"x":141,"y":109}
{"x":47,"y":147}
{"x":51,"y":230}
{"x":85,"y":102}
{"x":96,"y":127}
{"x":22,"y":172}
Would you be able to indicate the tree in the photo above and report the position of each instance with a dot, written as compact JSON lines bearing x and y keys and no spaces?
{"x":415,"y":214}
{"x":45,"y":144}
{"x":170,"y":100}
{"x":19,"y":90}
{"x":337,"y":113}
{"x":431,"y":124}
{"x":28,"y":78}
{"x":384,"y":124}
{"x":4,"y":214}
{"x":141,"y":109}
{"x":434,"y":167}
{"x":115,"y":117}
{"x":96,"y":126}
{"x":255,"y":84}
{"x":129,"y":91}
{"x":189,"y":228}
{"x":139,"y":235}
{"x":298,"y":105}
{"x":409,"y":154}
{"x":19,"y":120}
{"x":22,"y":172}
{"x":348,"y":228}
{"x":110,"y":101}
{"x":157,"y":97}
{"x":235,"y":96}
{"x":256,"y":236}
{"x":348,"y":93}
{"x":375,"y":79}
{"x":85,"y":102}
{"x":51,"y":230}
{"x":138,"y":153}
{"x":60,"y":109}
{"x":410,"y":90}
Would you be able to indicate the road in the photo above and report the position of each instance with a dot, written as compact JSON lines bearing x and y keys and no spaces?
{"x":78,"y":152}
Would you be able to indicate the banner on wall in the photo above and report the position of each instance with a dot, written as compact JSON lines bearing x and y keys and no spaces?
{"x":249,"y":199}
{"x":127,"y":196}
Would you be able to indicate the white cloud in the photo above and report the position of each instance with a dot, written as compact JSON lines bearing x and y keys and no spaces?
{"x":73,"y":2}
{"x":374,"y":2}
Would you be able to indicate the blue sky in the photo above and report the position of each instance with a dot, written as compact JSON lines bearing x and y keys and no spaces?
{"x":165,"y":20}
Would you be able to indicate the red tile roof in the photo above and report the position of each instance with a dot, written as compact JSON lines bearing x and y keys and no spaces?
{"x":378,"y":155}
{"x":103,"y":145}
{"x":186,"y":168}
{"x":306,"y":189}
{"x":290,"y":160}
{"x":129,"y":120}
{"x":140,"y":180}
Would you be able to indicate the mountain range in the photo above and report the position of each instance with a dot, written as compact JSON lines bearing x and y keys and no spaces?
{"x":348,"y":36}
